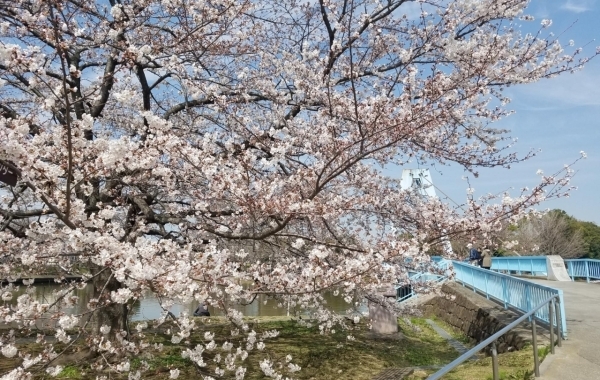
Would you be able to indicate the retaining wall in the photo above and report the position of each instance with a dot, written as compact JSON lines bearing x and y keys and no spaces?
{"x":477,"y":317}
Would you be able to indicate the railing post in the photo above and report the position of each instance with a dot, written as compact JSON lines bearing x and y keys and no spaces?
{"x":563,"y":315}
{"x":495,"y":372}
{"x":505,"y":292}
{"x":571,"y":265}
{"x":528,"y":301}
{"x":558,"y":323}
{"x":532,"y":272}
{"x":487,"y":293}
{"x":551,"y":320}
{"x":536,"y":360}
{"x":587,"y":271}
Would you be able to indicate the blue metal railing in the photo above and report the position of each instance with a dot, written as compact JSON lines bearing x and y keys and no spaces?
{"x":510,"y":291}
{"x":586,"y":268}
{"x":534,"y":265}
{"x":406,"y":291}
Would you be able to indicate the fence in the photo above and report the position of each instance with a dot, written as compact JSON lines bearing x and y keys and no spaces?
{"x":534,"y":265}
{"x":512,"y":292}
{"x":406,"y":291}
{"x":587,"y":268}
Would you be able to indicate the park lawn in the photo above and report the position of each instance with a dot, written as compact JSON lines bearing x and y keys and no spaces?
{"x":321,"y":356}
{"x":516,"y":365}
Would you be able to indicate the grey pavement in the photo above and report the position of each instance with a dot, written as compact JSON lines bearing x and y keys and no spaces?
{"x":579,"y":356}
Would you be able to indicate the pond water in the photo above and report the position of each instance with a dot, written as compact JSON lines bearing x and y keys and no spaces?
{"x":149,"y":308}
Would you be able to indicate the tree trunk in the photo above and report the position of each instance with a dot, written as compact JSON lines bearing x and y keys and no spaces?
{"x":113,"y":314}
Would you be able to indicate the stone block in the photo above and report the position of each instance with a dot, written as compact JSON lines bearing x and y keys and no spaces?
{"x":383,"y":321}
{"x":502,"y":347}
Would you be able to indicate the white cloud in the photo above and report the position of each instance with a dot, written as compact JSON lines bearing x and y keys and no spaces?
{"x":566,"y":91}
{"x":577,"y":6}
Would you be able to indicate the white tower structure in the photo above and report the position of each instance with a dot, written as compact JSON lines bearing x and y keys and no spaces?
{"x":420,"y":180}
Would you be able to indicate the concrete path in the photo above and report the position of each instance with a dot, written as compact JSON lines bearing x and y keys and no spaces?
{"x":458,"y":346}
{"x":579,"y":357}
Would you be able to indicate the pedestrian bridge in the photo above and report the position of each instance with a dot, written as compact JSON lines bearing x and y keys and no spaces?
{"x":569,"y":308}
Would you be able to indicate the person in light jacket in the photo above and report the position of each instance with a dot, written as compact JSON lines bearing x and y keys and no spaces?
{"x":486,"y":258}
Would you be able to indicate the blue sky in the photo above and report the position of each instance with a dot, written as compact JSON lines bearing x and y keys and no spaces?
{"x":560,"y":116}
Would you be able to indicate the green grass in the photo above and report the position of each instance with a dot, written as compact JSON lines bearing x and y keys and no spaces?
{"x":454,"y":332}
{"x":517,"y":365}
{"x":543,"y":352}
{"x":334,"y":357}
{"x":321,"y":356}
{"x":70,"y":372}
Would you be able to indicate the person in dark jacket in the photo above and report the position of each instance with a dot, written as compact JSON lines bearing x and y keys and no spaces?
{"x":474,"y":255}
{"x":202,"y":310}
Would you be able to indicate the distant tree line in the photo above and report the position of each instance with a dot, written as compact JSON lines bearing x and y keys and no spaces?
{"x":551,"y":233}
{"x":590,"y":233}
{"x":554,"y":233}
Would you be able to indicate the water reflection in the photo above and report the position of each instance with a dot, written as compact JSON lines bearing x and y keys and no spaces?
{"x":149,"y":307}
{"x":52,"y":295}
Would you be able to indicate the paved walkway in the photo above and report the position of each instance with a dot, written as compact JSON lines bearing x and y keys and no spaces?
{"x":579,"y":357}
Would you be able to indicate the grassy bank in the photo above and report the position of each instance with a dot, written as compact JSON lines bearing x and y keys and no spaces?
{"x":516,"y":365}
{"x":321,"y":356}
{"x":513,"y":366}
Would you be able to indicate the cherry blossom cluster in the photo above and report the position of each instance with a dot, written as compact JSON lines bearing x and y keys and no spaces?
{"x":220,"y":151}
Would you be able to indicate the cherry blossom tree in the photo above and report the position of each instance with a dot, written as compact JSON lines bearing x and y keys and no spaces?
{"x":159,"y":142}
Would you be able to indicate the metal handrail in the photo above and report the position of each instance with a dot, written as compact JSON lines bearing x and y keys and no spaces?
{"x":553,"y":309}
{"x":535,"y":265}
{"x":508,"y":290}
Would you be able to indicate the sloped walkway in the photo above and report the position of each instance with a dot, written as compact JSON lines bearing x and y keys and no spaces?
{"x":401,"y":373}
{"x":579,"y":357}
{"x":394,"y":374}
{"x":458,"y":346}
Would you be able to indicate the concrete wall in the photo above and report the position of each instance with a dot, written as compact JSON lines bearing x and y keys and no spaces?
{"x":476,"y":317}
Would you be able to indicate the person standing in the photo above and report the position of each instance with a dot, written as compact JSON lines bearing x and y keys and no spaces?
{"x":486,"y":258}
{"x":474,"y":255}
